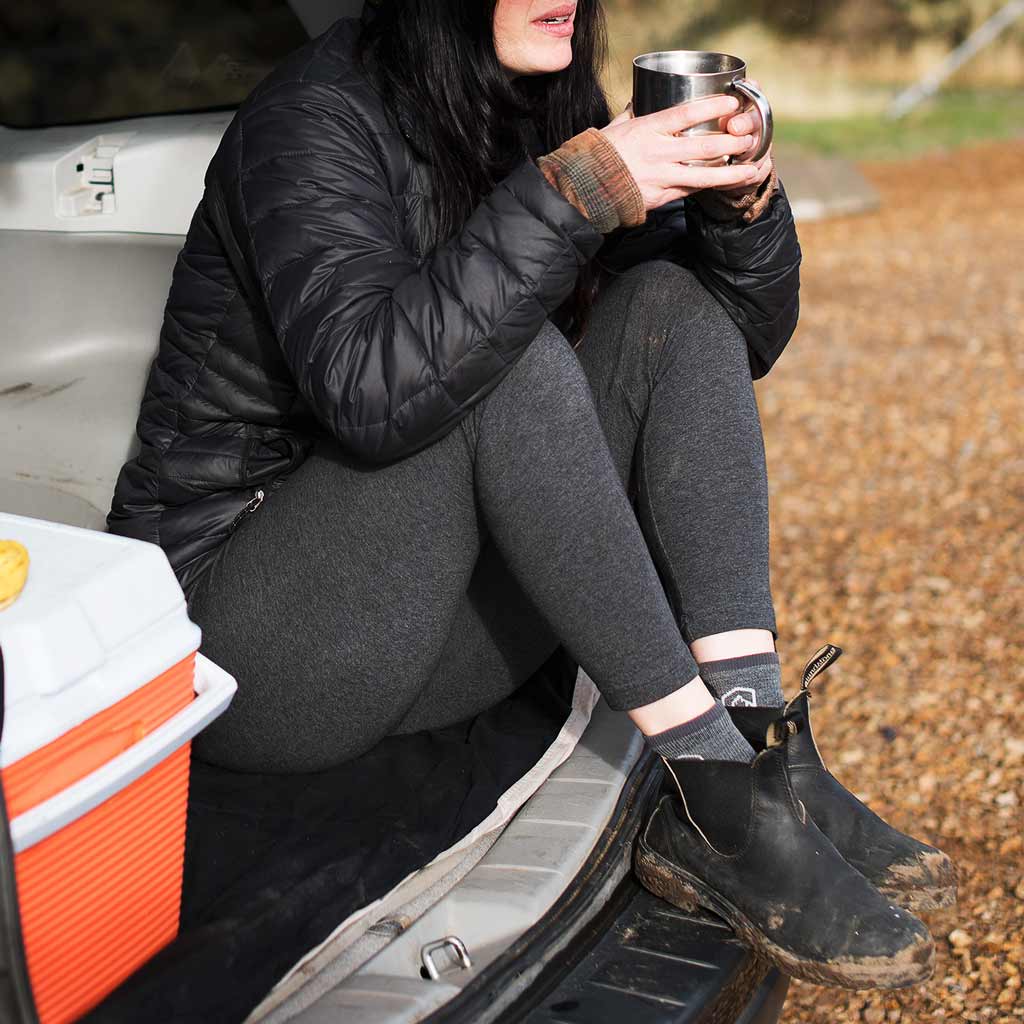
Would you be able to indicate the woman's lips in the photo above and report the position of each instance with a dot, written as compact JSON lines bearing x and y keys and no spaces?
{"x":564,"y":29}
{"x":561,"y":28}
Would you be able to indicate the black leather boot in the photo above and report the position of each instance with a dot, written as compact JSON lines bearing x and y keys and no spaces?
{"x":734,"y":839}
{"x":909,"y":872}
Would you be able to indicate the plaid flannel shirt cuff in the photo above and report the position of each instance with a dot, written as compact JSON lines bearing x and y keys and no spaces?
{"x":588,"y":170}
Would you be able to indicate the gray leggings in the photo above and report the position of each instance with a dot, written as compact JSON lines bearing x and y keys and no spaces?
{"x":611,"y":498}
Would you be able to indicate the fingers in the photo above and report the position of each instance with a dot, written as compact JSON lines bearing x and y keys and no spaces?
{"x":764,"y":165}
{"x":745,"y":122}
{"x":760,"y":172}
{"x":686,"y":115}
{"x":742,"y":124}
{"x":695,"y":176}
{"x":687,"y":148}
{"x":762,"y":168}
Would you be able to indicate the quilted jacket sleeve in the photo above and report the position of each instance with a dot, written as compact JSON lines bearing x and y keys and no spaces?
{"x":389,"y":349}
{"x":752,"y":269}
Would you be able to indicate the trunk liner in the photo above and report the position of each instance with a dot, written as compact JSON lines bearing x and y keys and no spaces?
{"x":274,"y":863}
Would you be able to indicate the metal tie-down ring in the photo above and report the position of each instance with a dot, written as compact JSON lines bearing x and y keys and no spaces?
{"x":461,"y":954}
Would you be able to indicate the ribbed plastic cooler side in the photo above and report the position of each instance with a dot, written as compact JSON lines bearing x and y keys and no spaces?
{"x":99,"y":865}
{"x":102,"y":895}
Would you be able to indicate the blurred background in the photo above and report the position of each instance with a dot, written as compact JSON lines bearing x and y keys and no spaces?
{"x":833,"y":69}
{"x":893,"y":421}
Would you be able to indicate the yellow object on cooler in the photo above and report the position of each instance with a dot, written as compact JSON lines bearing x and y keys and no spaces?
{"x":13,"y":571}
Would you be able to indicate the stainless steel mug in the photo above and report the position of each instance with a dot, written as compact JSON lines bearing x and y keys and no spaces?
{"x":667,"y":77}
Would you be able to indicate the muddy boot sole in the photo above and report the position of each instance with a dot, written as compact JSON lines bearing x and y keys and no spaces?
{"x":687,"y":892}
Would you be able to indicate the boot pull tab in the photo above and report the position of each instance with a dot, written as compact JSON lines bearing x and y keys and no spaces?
{"x":819,"y":661}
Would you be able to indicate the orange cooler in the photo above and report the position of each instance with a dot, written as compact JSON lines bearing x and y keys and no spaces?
{"x":103,"y":692}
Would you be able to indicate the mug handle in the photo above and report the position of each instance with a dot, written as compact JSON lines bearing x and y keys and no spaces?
{"x":764,"y":111}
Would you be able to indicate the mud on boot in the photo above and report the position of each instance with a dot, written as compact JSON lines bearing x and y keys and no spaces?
{"x":911,"y":873}
{"x":734,"y":839}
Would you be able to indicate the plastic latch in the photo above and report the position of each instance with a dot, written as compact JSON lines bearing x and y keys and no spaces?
{"x":84,"y":178}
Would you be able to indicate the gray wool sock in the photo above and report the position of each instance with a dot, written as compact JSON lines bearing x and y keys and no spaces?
{"x":755,"y":680}
{"x":710,"y":736}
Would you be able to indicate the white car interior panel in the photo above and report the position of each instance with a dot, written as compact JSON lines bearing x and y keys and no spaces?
{"x":86,"y":271}
{"x":81,"y":326}
{"x":140,"y":175}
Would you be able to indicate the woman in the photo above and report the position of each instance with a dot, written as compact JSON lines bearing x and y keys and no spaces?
{"x":434,"y":386}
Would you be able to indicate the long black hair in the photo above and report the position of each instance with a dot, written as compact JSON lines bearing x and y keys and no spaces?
{"x":435,"y":60}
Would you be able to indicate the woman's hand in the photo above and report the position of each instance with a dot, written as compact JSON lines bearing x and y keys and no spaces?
{"x":657,"y":158}
{"x":763,"y":169}
{"x":741,"y":125}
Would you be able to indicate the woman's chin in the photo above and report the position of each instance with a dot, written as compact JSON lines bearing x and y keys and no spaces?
{"x":546,"y":59}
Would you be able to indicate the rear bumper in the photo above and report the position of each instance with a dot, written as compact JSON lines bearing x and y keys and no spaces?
{"x":609,"y":950}
{"x":653,"y":964}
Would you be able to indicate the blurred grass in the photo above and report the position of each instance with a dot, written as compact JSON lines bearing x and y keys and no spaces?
{"x":948,"y":121}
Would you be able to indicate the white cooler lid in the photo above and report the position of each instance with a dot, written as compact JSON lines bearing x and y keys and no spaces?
{"x":100,"y":616}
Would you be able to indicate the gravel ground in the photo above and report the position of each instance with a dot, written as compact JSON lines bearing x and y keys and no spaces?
{"x":894,"y":433}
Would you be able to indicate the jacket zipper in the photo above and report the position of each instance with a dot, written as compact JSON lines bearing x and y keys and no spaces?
{"x":250,"y":506}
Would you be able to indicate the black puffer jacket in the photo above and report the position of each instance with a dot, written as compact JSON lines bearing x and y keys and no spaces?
{"x":302,"y":304}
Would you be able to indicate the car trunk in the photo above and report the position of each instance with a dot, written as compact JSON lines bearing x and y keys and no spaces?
{"x":307,"y":897}
{"x":276,"y":865}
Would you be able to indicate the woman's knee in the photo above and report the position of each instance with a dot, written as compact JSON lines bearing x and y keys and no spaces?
{"x":668,"y":309}
{"x":654,"y":321}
